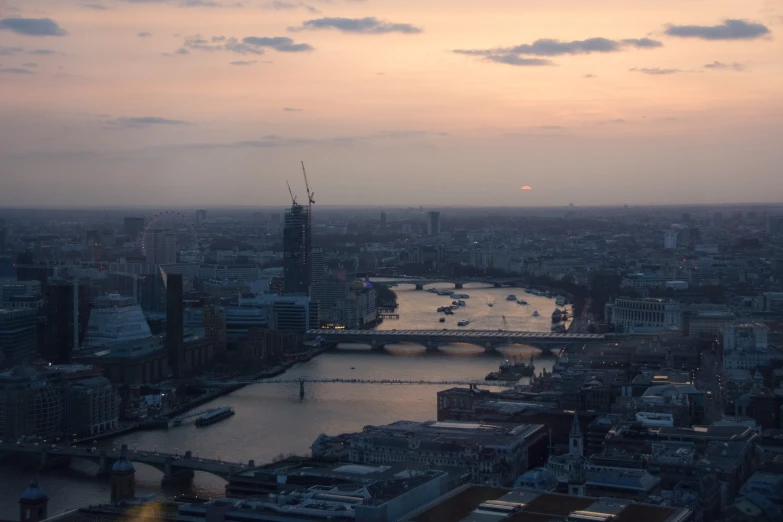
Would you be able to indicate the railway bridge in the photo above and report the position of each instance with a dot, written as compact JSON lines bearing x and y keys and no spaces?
{"x":174,"y":466}
{"x":490,"y":340}
{"x":421,"y":282}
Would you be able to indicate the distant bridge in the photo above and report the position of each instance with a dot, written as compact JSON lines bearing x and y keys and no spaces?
{"x":175,"y":466}
{"x":459,"y":282}
{"x":191,"y":414}
{"x":301,"y":382}
{"x":490,"y":340}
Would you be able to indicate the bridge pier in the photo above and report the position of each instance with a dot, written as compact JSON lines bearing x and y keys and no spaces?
{"x":377,"y":345}
{"x":497,"y":285}
{"x":458,"y":286}
{"x":105,"y":464}
{"x":172,"y":475}
{"x":489,"y":347}
{"x":301,"y":389}
{"x":431,"y":346}
{"x":419,"y":286}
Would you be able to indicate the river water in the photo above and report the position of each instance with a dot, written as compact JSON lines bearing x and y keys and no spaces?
{"x":271,"y":418}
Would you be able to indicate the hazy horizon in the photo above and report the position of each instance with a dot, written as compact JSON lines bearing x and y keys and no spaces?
{"x":393,"y":103}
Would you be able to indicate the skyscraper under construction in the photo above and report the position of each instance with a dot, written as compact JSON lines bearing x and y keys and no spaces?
{"x":297,"y":250}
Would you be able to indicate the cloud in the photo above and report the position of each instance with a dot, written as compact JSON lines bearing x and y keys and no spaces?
{"x":186,"y":3}
{"x":30,"y":64}
{"x":143,"y":121}
{"x":248,"y":45}
{"x":720,"y":65}
{"x":245,"y":62}
{"x":282,"y":44}
{"x":32,"y":26}
{"x":8,"y":51}
{"x":589,"y":75}
{"x":728,"y":30}
{"x":367,"y":25}
{"x":42,"y":52}
{"x":512,"y":59}
{"x":182,"y":50}
{"x":14,"y":70}
{"x":291,"y":109}
{"x":97,"y":7}
{"x":550,"y":127}
{"x":548,"y":47}
{"x":278,"y":5}
{"x":611,"y":122}
{"x":144,"y":34}
{"x":655,"y":71}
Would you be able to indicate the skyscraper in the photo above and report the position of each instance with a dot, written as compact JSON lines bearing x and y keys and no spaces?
{"x":297,"y":256}
{"x":175,"y":329}
{"x":433,"y":223}
{"x":58,"y":345}
{"x":133,"y":227}
{"x":201,"y":217}
{"x":318,"y":272}
{"x":161,"y":246}
{"x":383,"y":219}
{"x":18,"y":336}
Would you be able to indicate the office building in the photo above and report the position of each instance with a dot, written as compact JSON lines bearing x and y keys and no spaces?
{"x":433,"y":223}
{"x":18,"y":336}
{"x":161,"y":246}
{"x":479,"y":503}
{"x":644,"y":315}
{"x":670,"y":239}
{"x":775,"y":225}
{"x":479,"y":448}
{"x":318,"y":269}
{"x":201,"y":217}
{"x":745,"y":345}
{"x":59,"y":343}
{"x":133,"y":227}
{"x":344,"y":304}
{"x":93,"y":406}
{"x":29,"y":404}
{"x":175,"y":325}
{"x":116,"y":319}
{"x":11,"y":291}
{"x":297,"y":261}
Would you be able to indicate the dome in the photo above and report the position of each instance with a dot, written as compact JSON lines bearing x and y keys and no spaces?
{"x":33,"y":493}
{"x":122,"y":465}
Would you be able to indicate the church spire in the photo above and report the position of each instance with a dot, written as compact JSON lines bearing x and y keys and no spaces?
{"x":576,"y":441}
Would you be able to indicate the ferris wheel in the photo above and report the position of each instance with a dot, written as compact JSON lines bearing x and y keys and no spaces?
{"x":187,"y":237}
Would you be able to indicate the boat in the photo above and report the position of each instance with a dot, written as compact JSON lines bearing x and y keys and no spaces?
{"x":460,"y":296}
{"x":558,"y":328}
{"x":441,"y":309}
{"x":536,"y":314}
{"x":511,"y":297}
{"x":432,"y":291}
{"x":444,"y":292}
{"x":528,"y":290}
{"x":352,"y":368}
{"x":177,"y":422}
{"x":454,"y":303}
{"x":521,"y":301}
{"x":463,"y":322}
{"x":442,"y":319}
{"x":557,"y":315}
{"x":461,"y":303}
{"x":560,"y":300}
{"x":215,"y":416}
{"x":448,"y":311}
{"x":512,"y":371}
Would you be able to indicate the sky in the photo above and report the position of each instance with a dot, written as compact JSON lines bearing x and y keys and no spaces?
{"x":172,"y":103}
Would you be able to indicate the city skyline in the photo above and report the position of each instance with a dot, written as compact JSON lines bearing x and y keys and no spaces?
{"x":184,"y":103}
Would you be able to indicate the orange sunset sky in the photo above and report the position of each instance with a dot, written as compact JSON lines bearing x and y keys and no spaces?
{"x":460,"y":102}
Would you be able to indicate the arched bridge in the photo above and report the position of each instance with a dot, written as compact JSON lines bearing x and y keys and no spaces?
{"x":431,"y":339}
{"x":174,"y":466}
{"x":421,"y":282}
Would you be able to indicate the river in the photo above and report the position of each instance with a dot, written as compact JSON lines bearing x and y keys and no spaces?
{"x":271,"y":419}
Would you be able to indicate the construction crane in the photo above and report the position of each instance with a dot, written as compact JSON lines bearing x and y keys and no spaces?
{"x":310,"y":195}
{"x":293,"y":198}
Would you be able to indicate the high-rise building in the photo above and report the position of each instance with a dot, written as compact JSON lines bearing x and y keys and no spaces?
{"x":670,"y":239}
{"x":346,"y":304}
{"x":201,"y":217}
{"x":161,"y":246}
{"x":58,"y":308}
{"x":433,"y":223}
{"x":318,"y":271}
{"x":775,"y":225}
{"x":18,"y":336}
{"x":297,"y":260}
{"x":133,"y":227}
{"x":175,"y":324}
{"x":29,"y":404}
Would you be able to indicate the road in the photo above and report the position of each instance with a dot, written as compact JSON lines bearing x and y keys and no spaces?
{"x":710,"y":378}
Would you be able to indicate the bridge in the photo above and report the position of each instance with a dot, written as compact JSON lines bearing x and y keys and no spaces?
{"x":189,"y":415}
{"x":302,"y":380}
{"x":490,"y":340}
{"x":459,"y":282}
{"x":175,"y":467}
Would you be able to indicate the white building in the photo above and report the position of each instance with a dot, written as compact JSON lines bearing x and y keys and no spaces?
{"x":645,"y":315}
{"x":745,"y":346}
{"x":670,"y":239}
